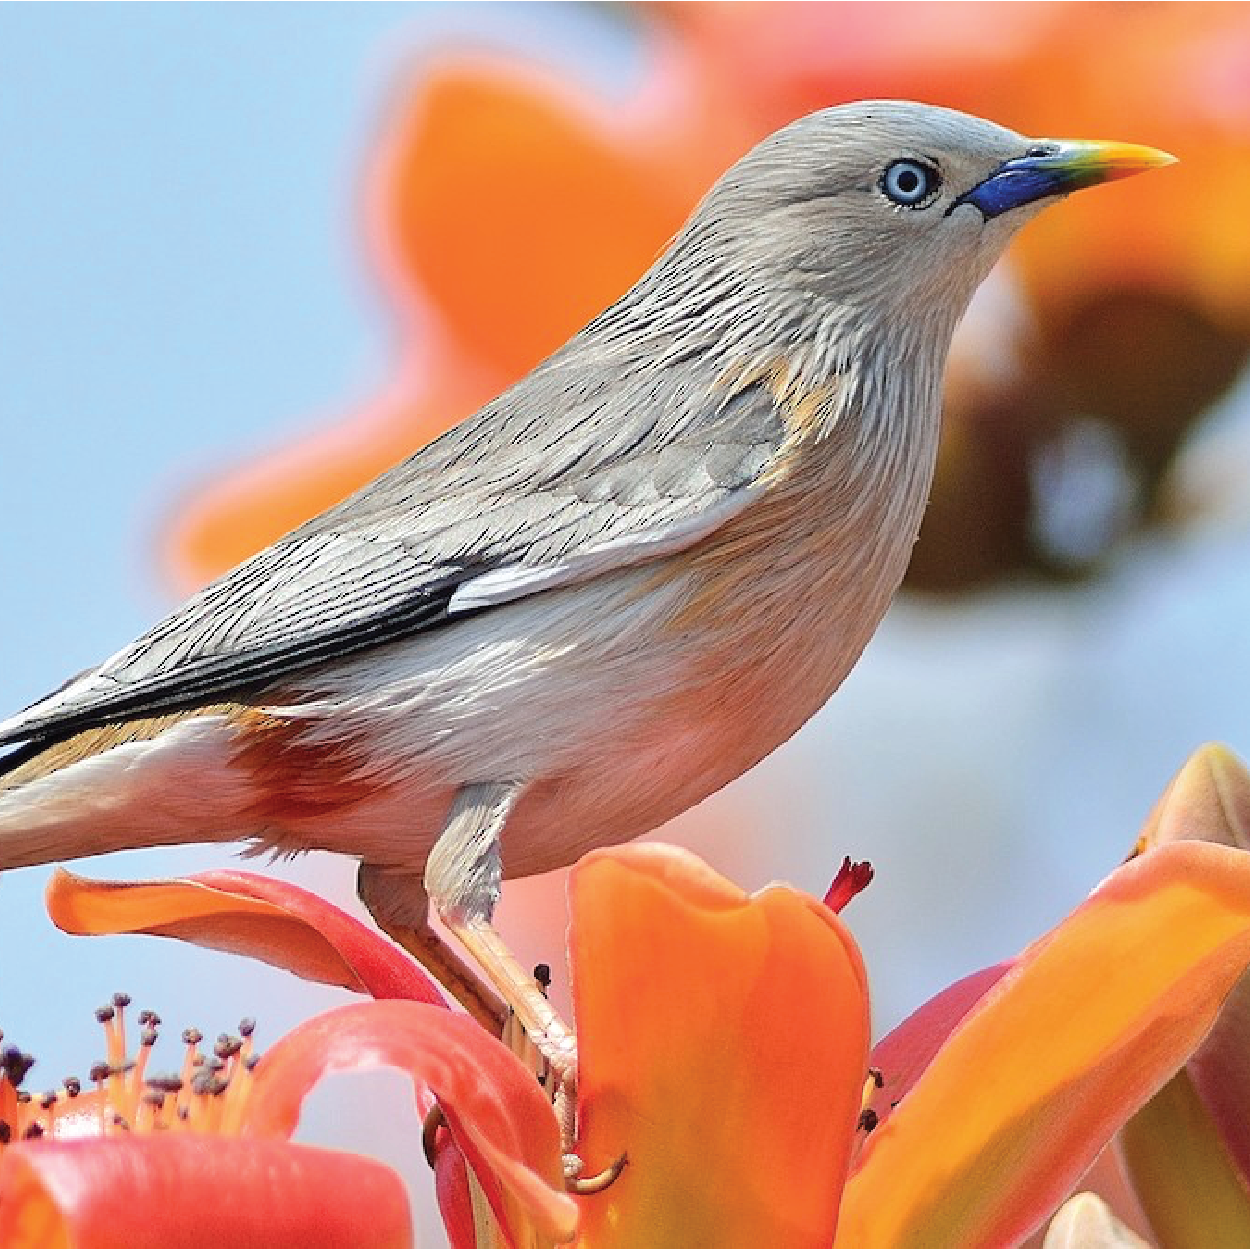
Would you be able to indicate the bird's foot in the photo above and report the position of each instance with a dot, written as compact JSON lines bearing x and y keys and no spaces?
{"x":526,"y":995}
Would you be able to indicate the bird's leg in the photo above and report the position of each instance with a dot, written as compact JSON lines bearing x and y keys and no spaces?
{"x":397,"y":901}
{"x":462,"y":877}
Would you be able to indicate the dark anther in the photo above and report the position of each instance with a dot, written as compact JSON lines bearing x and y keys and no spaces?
{"x":207,"y":1083}
{"x":73,"y":1086}
{"x":22,"y":1097}
{"x":47,"y":1099}
{"x":868,"y":1120}
{"x":247,"y":1026}
{"x":876,"y":1077}
{"x":154,"y":1097}
{"x":120,"y":1069}
{"x":104,"y":1014}
{"x":166,"y":1084}
{"x":596,"y":1184}
{"x":542,"y":974}
{"x":121,"y":1122}
{"x":192,"y":1037}
{"x":33,"y":1131}
{"x":99,"y":1072}
{"x":149,"y":1018}
{"x":14,"y":1064}
{"x":121,"y":1000}
{"x":251,"y":1061}
{"x":147,"y":1037}
{"x":227,"y":1047}
{"x":6,"y":1132}
{"x":434,"y":1120}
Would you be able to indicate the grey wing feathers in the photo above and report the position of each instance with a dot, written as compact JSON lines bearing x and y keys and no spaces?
{"x":556,"y":481}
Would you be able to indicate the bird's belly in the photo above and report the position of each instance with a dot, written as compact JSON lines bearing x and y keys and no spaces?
{"x":617,"y":706}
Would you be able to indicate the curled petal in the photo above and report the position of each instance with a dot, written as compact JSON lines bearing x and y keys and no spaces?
{"x":1093,"y":1019}
{"x":496,"y":1111}
{"x":451,"y":1186}
{"x":245,"y":914}
{"x":722,"y":1040}
{"x":192,"y":1190}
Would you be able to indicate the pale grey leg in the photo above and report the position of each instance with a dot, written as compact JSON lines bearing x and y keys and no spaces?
{"x":462,"y":878}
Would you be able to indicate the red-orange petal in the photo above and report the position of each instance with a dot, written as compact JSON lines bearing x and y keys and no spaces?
{"x":1055,"y":1057}
{"x":496,"y":1111}
{"x":722,"y":1042}
{"x":193,"y":1190}
{"x":245,"y":913}
{"x":451,"y":1187}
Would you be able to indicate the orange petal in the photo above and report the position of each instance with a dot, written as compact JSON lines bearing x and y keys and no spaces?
{"x":496,"y":1111}
{"x":245,"y":914}
{"x":722,"y":1043}
{"x":1031,"y":1085}
{"x":1210,"y":800}
{"x":193,"y":1190}
{"x":1184,"y":1180}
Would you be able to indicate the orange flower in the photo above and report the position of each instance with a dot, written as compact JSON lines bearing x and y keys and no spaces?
{"x":141,"y":1160}
{"x":723,"y":1051}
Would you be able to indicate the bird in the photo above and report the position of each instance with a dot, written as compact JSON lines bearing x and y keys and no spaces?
{"x":605,"y":595}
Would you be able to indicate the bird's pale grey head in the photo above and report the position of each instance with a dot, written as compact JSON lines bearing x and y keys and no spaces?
{"x":888,"y":208}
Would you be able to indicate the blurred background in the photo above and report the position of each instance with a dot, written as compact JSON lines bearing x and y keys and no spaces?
{"x":251,"y":255}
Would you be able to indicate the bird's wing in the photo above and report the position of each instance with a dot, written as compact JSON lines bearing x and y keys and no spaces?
{"x":510,"y":503}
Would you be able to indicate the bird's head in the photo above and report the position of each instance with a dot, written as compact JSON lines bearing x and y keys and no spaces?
{"x":892,"y":209}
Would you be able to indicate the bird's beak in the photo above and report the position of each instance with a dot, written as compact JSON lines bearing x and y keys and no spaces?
{"x":1056,"y":167}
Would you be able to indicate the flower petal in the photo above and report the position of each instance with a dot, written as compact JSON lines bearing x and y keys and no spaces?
{"x":245,"y":914}
{"x":1031,"y":1085}
{"x":1184,"y":1180}
{"x":722,"y":1041}
{"x":496,"y":1111}
{"x":1209,"y":800}
{"x":194,"y":1190}
{"x":451,"y":1186}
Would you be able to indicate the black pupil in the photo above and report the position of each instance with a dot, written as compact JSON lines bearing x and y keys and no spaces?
{"x":908,"y":181}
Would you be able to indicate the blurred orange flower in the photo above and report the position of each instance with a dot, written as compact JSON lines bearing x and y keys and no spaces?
{"x":505,"y":206}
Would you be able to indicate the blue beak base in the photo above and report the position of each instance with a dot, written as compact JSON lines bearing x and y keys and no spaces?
{"x":1057,"y":168}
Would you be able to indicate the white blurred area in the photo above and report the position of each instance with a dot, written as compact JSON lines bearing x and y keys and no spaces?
{"x":992,"y":756}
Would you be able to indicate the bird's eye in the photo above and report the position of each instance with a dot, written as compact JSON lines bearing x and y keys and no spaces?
{"x":910,"y":183}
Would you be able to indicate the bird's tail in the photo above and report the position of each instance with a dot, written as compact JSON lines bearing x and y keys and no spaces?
{"x":150,"y":782}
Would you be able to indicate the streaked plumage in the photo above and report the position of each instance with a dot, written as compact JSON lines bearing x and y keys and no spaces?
{"x":609,"y":592}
